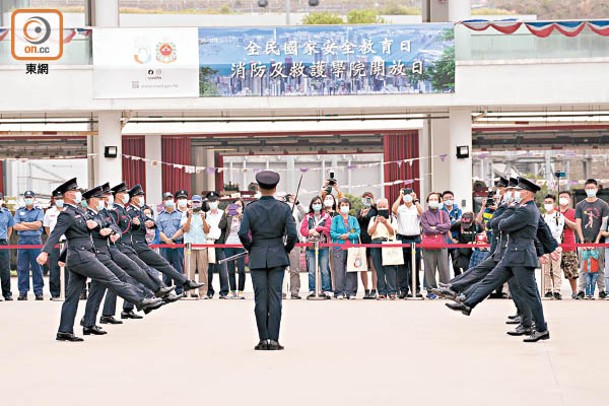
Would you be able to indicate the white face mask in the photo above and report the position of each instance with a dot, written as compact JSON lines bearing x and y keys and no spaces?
{"x":344,"y":209}
{"x":213,"y":205}
{"x":433,"y":204}
{"x":77,"y":197}
{"x":328,"y":203}
{"x":407,"y":199}
{"x":448,"y":203}
{"x":549,"y":207}
{"x":563,"y":201}
{"x":517,"y":197}
{"x":110,"y":201}
{"x":142,"y":201}
{"x":182,"y":203}
{"x":508,"y":197}
{"x":126,"y":198}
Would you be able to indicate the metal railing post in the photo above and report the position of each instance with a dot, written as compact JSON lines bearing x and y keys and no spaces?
{"x":318,"y":295}
{"x":187,"y":254}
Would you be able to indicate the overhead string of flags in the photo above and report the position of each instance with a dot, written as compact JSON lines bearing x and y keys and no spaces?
{"x":540,"y":29}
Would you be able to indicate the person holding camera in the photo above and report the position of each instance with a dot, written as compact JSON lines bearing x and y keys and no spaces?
{"x":331,"y":184}
{"x":408,"y":211}
{"x":230,"y":225}
{"x":196,"y":229}
{"x":382,"y":228}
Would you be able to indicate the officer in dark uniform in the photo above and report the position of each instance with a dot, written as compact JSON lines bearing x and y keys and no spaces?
{"x":139,"y":243}
{"x":83,"y":263}
{"x":123,"y":246}
{"x":264,"y":225}
{"x":519,"y":260}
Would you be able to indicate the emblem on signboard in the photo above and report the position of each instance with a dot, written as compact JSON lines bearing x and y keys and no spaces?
{"x":142,"y":55}
{"x":166,"y":52}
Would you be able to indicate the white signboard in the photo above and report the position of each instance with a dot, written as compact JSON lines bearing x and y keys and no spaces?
{"x":145,"y":62}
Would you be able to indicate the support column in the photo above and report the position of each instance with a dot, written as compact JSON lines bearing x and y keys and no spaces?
{"x":102,"y":13}
{"x":439,"y":169}
{"x":459,"y":10}
{"x":109,"y":134}
{"x":460,"y":169}
{"x":154,"y":183}
{"x":210,"y":162}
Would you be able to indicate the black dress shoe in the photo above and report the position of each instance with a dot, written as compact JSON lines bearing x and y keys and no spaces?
{"x":516,"y":320}
{"x":295,"y":297}
{"x":263,"y":345}
{"x":537,"y":335}
{"x":164,"y":291}
{"x":521,"y":331}
{"x":109,"y":320}
{"x":22,"y":297}
{"x":68,"y":337}
{"x":190,"y":285}
{"x":95,"y":330}
{"x":445,"y":292}
{"x":130,"y":315}
{"x":275,"y":346}
{"x":557,"y":296}
{"x":460,"y":307}
{"x":149,"y":304}
{"x":402,"y":295}
{"x":512,"y":317}
{"x":8,"y":298}
{"x":172,"y":298}
{"x":39,"y":297}
{"x":83,"y":296}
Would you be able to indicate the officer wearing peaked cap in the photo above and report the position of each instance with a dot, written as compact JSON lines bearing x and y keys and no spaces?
{"x":140,"y":245}
{"x":82,"y":261}
{"x":264,"y":225}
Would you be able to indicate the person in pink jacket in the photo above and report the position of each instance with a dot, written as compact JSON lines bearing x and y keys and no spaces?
{"x":315,"y":227}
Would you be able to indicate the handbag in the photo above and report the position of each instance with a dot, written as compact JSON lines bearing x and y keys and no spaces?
{"x":433,"y":242}
{"x":211,"y":252}
{"x":356,"y":259}
{"x":392,"y":255}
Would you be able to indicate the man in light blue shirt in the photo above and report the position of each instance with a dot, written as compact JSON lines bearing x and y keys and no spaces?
{"x":170,"y":231}
{"x":6,"y":229}
{"x":195,"y":230}
{"x":28,"y":224}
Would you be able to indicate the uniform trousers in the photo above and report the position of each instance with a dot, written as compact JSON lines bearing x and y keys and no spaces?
{"x":267,"y":294}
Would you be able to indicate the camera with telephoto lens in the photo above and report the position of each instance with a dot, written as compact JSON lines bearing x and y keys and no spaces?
{"x":490,"y":198}
{"x":196,"y":209}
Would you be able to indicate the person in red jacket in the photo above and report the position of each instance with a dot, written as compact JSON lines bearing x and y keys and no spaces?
{"x":315,"y":227}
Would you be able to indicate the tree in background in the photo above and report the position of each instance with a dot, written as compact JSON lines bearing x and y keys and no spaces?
{"x":322,"y":18}
{"x":442,"y":73}
{"x":206,"y":86}
{"x":366,"y":16}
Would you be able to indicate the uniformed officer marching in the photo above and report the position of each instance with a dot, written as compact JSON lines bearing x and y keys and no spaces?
{"x":83,"y":263}
{"x":263,"y":227}
{"x":519,"y":260}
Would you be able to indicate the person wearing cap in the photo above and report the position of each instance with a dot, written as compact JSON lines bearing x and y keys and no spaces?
{"x":170,"y":232}
{"x":126,"y":257}
{"x":6,"y":230}
{"x":213,"y":217}
{"x":49,"y":222}
{"x":28,"y":224}
{"x":264,"y":225}
{"x":144,"y":252}
{"x":196,"y":230}
{"x":83,"y":263}
{"x":519,"y":262}
{"x":182,"y":200}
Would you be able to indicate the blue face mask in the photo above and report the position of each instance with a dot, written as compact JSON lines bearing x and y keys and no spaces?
{"x":433,"y":204}
{"x":169,"y":203}
{"x":591,"y":192}
{"x":517,"y":197}
{"x":28,"y":201}
{"x":317,"y":207}
{"x":59,"y":203}
{"x":84,"y":204}
{"x":344,"y":209}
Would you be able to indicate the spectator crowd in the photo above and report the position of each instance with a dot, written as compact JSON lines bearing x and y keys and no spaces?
{"x":205,"y":228}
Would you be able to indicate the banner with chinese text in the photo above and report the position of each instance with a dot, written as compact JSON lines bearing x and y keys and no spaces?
{"x":327,"y":60}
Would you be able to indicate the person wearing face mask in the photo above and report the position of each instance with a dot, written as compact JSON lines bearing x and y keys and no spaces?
{"x":213,"y":218}
{"x":363,"y":217}
{"x":49,"y":222}
{"x":182,"y":200}
{"x":170,"y":232}
{"x":196,"y":229}
{"x":569,"y":262}
{"x":408,"y":211}
{"x":345,"y":228}
{"x":28,"y":224}
{"x":229,"y":226}
{"x":382,"y":228}
{"x":556,"y":222}
{"x":435,"y":225}
{"x":145,"y":253}
{"x":330,"y":205}
{"x":591,"y":216}
{"x":454,"y":213}
{"x":518,"y":263}
{"x":298,"y":213}
{"x":6,"y":230}
{"x":316,"y":227}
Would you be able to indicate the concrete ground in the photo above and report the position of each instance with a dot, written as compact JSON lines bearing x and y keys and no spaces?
{"x":337,"y":352}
